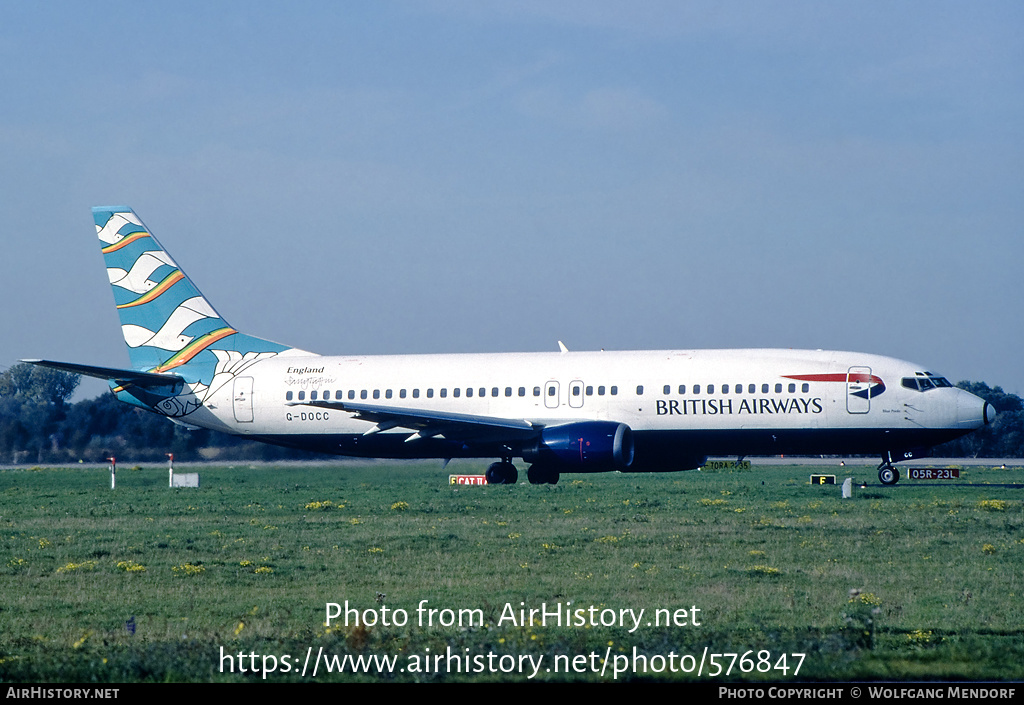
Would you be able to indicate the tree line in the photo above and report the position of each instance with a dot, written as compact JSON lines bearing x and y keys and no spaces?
{"x":39,"y":425}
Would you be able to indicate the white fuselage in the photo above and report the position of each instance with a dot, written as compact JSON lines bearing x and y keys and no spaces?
{"x":685,"y":403}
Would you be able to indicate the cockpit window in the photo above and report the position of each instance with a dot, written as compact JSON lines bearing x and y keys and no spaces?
{"x":924,"y":382}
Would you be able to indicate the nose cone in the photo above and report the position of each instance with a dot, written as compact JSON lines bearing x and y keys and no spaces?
{"x":973,"y":411}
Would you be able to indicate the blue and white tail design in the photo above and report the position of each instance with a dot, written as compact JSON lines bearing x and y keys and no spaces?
{"x":168,"y":325}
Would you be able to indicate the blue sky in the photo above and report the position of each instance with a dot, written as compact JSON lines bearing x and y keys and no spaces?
{"x":448,"y":176}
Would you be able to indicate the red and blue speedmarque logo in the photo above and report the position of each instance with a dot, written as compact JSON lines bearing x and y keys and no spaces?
{"x":873,"y":384}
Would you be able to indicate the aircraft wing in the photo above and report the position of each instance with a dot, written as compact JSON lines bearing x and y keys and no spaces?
{"x":426,"y":424}
{"x":140,"y":379}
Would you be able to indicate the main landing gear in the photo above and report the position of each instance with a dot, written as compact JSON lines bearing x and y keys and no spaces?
{"x":887,"y":474}
{"x":502,"y":473}
{"x":505,"y":473}
{"x":542,"y":475}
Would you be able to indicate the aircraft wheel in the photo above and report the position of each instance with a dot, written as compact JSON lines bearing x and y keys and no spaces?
{"x":494,"y":474}
{"x":501,"y":474}
{"x":542,"y":475}
{"x":888,"y":475}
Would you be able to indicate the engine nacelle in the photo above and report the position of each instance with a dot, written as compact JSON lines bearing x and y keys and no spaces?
{"x":588,"y":446}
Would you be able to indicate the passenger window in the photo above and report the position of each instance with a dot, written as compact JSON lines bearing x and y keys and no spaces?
{"x":778,"y":388}
{"x":494,"y":391}
{"x":551,"y":390}
{"x":327,"y":394}
{"x":639,"y":390}
{"x":456,"y":392}
{"x":725,"y":389}
{"x":590,"y":391}
{"x":444,"y":392}
{"x":351,"y":394}
{"x":536,"y":391}
{"x":711,"y":389}
{"x":387,"y":394}
{"x":416,"y":394}
{"x":805,"y":387}
{"x":508,"y":391}
{"x":401,"y":393}
{"x":792,"y":387}
{"x":522,"y":391}
{"x":312,"y":395}
{"x":576,"y":390}
{"x":696,"y":389}
{"x":614,"y":390}
{"x":682,"y":389}
{"x":667,"y":389}
{"x":376,"y":394}
{"x":764,"y":389}
{"x":469,"y":392}
{"x":287,"y":396}
{"x":600,"y":390}
{"x":752,"y":388}
{"x":302,"y":396}
{"x":430,"y":393}
{"x":483,"y":391}
{"x":362,"y":394}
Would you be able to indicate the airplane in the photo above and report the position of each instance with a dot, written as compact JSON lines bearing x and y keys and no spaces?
{"x":561,"y":412}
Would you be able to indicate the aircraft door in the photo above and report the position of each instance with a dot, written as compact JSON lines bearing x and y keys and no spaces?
{"x":243,"y":399}
{"x":551,"y":395}
{"x":858,"y":390}
{"x":576,"y":394}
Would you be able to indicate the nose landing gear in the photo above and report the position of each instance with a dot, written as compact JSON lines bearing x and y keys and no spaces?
{"x":887,"y":474}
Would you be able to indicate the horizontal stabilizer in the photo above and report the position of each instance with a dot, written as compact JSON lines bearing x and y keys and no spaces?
{"x":140,"y":379}
{"x":186,"y":426}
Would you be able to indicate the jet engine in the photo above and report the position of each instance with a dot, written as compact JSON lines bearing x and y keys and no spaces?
{"x":587,"y":446}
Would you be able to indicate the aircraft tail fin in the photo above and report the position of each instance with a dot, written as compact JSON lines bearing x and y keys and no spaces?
{"x":167,"y":323}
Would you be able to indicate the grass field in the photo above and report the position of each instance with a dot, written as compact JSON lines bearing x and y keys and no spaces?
{"x":145,"y":583}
